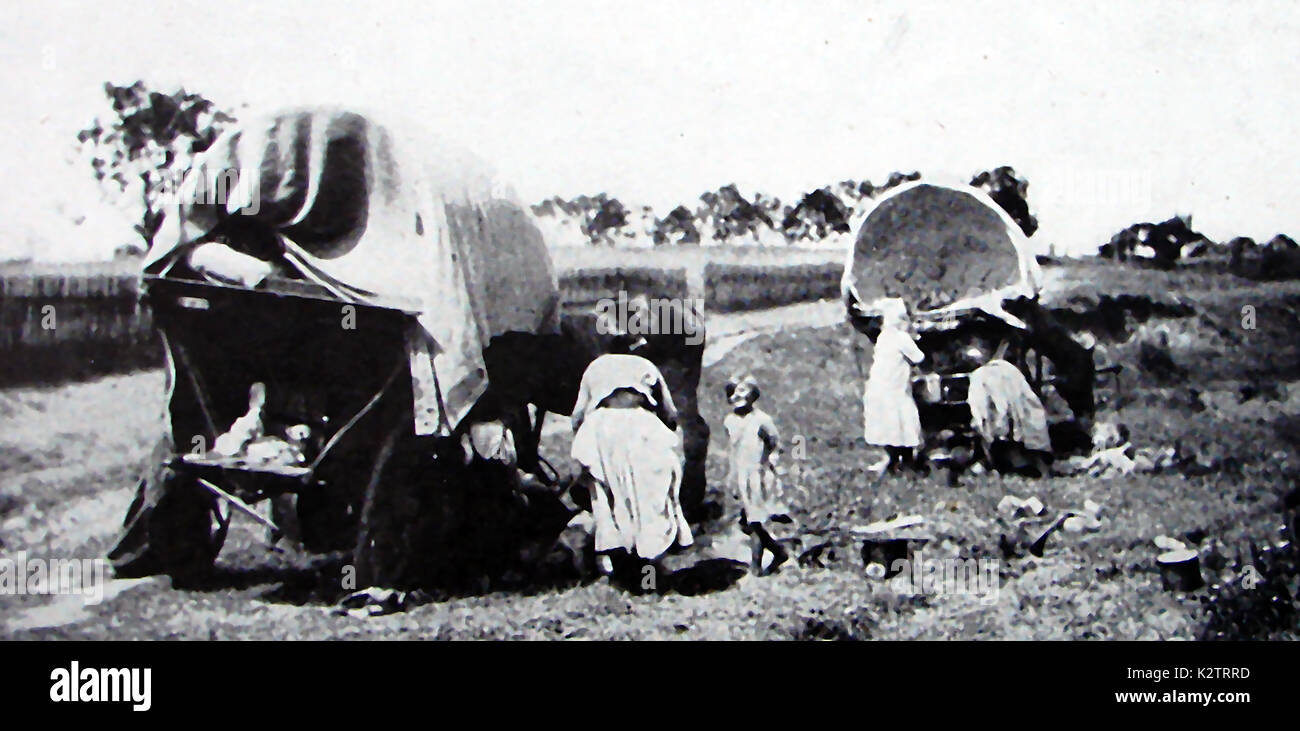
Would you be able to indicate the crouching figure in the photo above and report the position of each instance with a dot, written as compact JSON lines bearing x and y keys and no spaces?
{"x":630,"y":450}
{"x":1008,"y":417}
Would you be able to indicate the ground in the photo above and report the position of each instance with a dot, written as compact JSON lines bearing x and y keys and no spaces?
{"x":1223,"y":391}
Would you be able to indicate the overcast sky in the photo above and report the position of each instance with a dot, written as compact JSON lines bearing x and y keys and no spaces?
{"x":1116,"y":112}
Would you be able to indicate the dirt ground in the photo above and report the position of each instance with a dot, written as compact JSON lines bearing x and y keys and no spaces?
{"x":1225,"y":393}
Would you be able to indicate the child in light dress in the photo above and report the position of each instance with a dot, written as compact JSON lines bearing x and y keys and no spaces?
{"x":754,"y":441}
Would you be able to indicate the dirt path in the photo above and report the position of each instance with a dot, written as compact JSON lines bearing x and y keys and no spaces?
{"x":728,"y":330}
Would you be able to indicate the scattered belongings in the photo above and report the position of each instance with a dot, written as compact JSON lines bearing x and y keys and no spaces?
{"x":1087,"y":519}
{"x":246,"y":428}
{"x":885,"y":553}
{"x":885,"y":526}
{"x":1040,"y":543}
{"x":273,"y":451}
{"x":887,"y":541}
{"x":246,"y":443}
{"x":820,"y":553}
{"x":1113,"y":454}
{"x":1102,"y":463}
{"x":1011,"y":507}
{"x":1165,"y":543}
{"x":1024,"y":525}
{"x":1108,"y":435}
{"x":1180,"y":565}
{"x":1078,"y":524}
{"x":1027,"y":531}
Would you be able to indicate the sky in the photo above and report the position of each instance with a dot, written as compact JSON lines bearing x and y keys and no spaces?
{"x":1115,"y":112}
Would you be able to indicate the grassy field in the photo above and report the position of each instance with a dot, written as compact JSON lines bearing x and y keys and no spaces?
{"x":691,"y":258}
{"x":68,"y":455}
{"x":577,"y":257}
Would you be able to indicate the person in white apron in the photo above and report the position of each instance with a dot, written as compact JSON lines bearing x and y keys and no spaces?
{"x":889,"y":414}
{"x":631,"y":455}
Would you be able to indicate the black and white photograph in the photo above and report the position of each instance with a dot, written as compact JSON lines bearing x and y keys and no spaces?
{"x":627,"y":321}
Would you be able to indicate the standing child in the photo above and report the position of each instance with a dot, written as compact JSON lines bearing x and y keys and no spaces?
{"x":754,"y":441}
{"x":889,"y":414}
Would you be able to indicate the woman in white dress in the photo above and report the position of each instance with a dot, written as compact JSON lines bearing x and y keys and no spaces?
{"x":889,"y":414}
{"x":631,"y":454}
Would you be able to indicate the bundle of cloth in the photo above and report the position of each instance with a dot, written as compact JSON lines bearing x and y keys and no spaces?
{"x":1004,"y":407}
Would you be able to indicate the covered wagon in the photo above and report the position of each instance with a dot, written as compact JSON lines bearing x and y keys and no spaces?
{"x":363,"y":327}
{"x":967,"y":272}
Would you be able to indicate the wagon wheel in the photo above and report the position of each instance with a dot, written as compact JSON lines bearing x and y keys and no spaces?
{"x":390,"y":504}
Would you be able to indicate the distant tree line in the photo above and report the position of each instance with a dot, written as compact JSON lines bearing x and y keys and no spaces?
{"x":150,"y":135}
{"x":1169,"y":242}
{"x":726,"y":215}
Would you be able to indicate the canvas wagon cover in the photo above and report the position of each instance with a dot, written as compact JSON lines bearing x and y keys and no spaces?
{"x":939,"y":246}
{"x":385,"y":210}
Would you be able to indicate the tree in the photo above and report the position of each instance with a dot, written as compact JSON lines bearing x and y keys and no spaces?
{"x":678,"y":227}
{"x":152,"y":137}
{"x":1011,"y":192}
{"x":1166,"y":240}
{"x":816,"y":216}
{"x":731,"y":214}
{"x":1238,"y":250}
{"x":604,"y":216}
